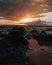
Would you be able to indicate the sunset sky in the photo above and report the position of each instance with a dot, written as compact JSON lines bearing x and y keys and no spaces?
{"x":25,"y":10}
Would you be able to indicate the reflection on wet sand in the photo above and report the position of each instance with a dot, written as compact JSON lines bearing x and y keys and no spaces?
{"x":40,"y":55}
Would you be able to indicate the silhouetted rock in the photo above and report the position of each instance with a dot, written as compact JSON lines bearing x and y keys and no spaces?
{"x":13,"y":48}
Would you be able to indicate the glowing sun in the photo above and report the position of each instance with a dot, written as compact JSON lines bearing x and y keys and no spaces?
{"x":25,"y":20}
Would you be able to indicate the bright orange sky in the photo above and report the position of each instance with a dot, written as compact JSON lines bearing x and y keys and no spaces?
{"x":47,"y":18}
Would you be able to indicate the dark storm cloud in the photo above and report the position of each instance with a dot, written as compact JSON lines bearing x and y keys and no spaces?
{"x":15,"y":9}
{"x":7,"y":4}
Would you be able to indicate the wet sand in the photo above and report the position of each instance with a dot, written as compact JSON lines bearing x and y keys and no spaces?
{"x":38,"y":56}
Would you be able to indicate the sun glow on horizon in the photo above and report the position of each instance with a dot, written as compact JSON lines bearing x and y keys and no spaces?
{"x":26,"y":20}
